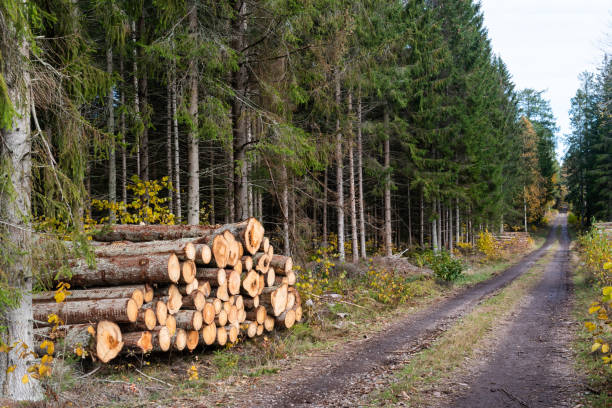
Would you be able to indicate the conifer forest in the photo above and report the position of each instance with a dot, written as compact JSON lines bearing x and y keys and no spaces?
{"x":298,"y":169}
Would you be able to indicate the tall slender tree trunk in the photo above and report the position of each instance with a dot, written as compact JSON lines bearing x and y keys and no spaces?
{"x":388,"y":242}
{"x":450,"y":226}
{"x":136,"y":102}
{"x":352,"y":199}
{"x":193,"y":192}
{"x":362,"y":231}
{"x":177,"y":159}
{"x":15,"y":214}
{"x":211,"y":182}
{"x":422,"y":219}
{"x":434,"y":227}
{"x":123,"y":144}
{"x":144,"y":107}
{"x":457,"y":221}
{"x":169,"y":164}
{"x":239,"y":83}
{"x":525,"y":212}
{"x":112,"y":163}
{"x":248,"y":173}
{"x":409,"y":217}
{"x":339,"y":173}
{"x":325,"y":208}
{"x":285,"y":208}
{"x":439,"y":221}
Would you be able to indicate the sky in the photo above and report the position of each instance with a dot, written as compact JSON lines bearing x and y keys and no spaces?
{"x":546,"y":44}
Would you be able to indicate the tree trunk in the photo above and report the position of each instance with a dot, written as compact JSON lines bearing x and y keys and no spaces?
{"x":136,"y":102}
{"x":15,"y":206}
{"x":177,"y":167}
{"x":123,"y":143}
{"x":239,"y":83}
{"x":439,"y":221}
{"x":525,"y":212}
{"x":112,"y":164}
{"x":169,"y":164}
{"x":362,"y":232}
{"x":434,"y":225}
{"x":422,"y":219}
{"x":211,"y":182}
{"x":193,"y":194}
{"x":387,"y":169}
{"x":325,"y":208}
{"x":285,"y":208}
{"x":352,"y":198}
{"x":457,"y":221}
{"x":450,"y":227}
{"x":409,"y":217}
{"x":339,"y":173}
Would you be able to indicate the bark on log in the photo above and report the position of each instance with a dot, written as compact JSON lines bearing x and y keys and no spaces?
{"x":221,"y":319}
{"x":258,"y":315}
{"x":116,"y":292}
{"x":161,"y":339}
{"x":143,"y":233}
{"x":180,"y":247}
{"x":247,"y":263}
{"x":188,"y":319}
{"x":122,"y":270}
{"x":261,"y":262}
{"x":281,"y":264}
{"x":251,"y":303}
{"x":286,"y":319}
{"x":214,"y":276}
{"x":84,"y":311}
{"x":275,"y":297}
{"x":139,"y":342}
{"x":196,"y":301}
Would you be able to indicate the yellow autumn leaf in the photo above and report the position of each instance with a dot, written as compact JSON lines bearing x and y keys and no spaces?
{"x":11,"y":369}
{"x":59,"y":296}
{"x":25,"y":379}
{"x":590,"y":326}
{"x":78,"y":351}
{"x":595,"y":347}
{"x":607,"y":265}
{"x":91,"y":331}
{"x":607,"y":290}
{"x":605,"y":348}
{"x":593,"y":309}
{"x":53,"y":318}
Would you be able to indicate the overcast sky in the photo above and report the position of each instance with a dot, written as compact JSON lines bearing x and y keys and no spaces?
{"x":547,"y":43}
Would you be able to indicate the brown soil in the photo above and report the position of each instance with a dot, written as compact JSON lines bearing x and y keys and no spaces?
{"x":341,"y":378}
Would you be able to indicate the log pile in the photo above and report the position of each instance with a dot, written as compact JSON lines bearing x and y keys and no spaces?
{"x":166,"y":287}
{"x":513,"y":241}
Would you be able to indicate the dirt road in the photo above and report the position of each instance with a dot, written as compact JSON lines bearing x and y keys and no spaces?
{"x":339,"y":378}
{"x":531,"y":367}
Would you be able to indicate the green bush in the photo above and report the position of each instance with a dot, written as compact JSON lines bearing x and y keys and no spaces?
{"x":443,"y":264}
{"x":572,"y":219}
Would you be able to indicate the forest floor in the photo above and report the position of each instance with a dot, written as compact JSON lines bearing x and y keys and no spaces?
{"x":500,"y":337}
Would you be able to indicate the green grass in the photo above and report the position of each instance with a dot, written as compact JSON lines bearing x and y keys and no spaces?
{"x":597,"y":375}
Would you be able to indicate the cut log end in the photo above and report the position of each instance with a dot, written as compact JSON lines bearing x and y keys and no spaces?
{"x":162,"y":339}
{"x":233,"y":282}
{"x":161,"y":312}
{"x":171,"y":324}
{"x":221,"y":336}
{"x":180,"y":341}
{"x":189,"y":271}
{"x":208,"y":313}
{"x":138,"y":297}
{"x":253,"y":235}
{"x":205,"y":254}
{"x":269,"y":323}
{"x":108,"y":341}
{"x":220,"y":251}
{"x":174,"y":268}
{"x":132,"y":309}
{"x":209,"y":334}
{"x":138,"y":341}
{"x":193,"y":338}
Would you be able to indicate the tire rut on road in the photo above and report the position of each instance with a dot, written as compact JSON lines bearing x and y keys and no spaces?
{"x":532,"y":366}
{"x":322,"y":382}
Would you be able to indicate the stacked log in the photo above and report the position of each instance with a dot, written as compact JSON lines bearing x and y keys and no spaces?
{"x":164,"y":287}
